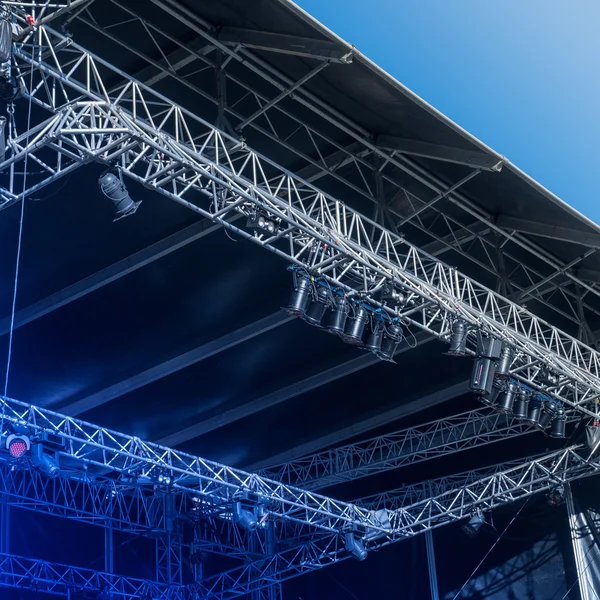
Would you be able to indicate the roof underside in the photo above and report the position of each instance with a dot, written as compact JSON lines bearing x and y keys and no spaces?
{"x":184,"y":341}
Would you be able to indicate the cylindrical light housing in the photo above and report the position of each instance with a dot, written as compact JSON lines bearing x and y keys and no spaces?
{"x":339,"y":316}
{"x":535,"y":411}
{"x":300,"y":298}
{"x":458,"y":339}
{"x":482,"y":377}
{"x":317,"y":306}
{"x":392,"y":337}
{"x":522,"y":404}
{"x":375,"y":337}
{"x":355,"y":326}
{"x":559,"y":425}
{"x":506,"y":357}
{"x":549,"y":411}
{"x":507,"y":399}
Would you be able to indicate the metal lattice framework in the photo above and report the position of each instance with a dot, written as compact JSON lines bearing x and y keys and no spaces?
{"x":397,"y":449}
{"x":99,"y":113}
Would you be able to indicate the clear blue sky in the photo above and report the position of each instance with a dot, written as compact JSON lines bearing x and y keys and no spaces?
{"x":521,"y":75}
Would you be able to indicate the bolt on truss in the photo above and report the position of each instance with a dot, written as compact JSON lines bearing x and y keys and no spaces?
{"x":394,"y":450}
{"x":100,"y":114}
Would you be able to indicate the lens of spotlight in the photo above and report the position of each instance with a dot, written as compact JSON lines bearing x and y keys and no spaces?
{"x":317,"y":307}
{"x":375,"y":338}
{"x":17,"y":445}
{"x":300,"y":298}
{"x":557,"y":429}
{"x":458,"y":339}
{"x":390,"y":342}
{"x":355,"y":326}
{"x":522,"y":404}
{"x":535,"y":411}
{"x":507,"y":399}
{"x":339,"y":315}
{"x":549,"y":410}
{"x":506,"y":356}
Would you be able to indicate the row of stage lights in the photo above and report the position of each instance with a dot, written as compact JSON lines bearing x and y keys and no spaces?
{"x":491,"y":383}
{"x":320,"y":305}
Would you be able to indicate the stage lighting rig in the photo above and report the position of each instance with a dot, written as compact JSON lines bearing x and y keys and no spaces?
{"x":390,"y":296}
{"x":559,"y":424}
{"x":535,"y":411}
{"x":392,"y":336}
{"x":339,"y":315}
{"x":521,"y":407}
{"x":111,"y":184}
{"x":488,"y":354}
{"x":458,"y":339}
{"x":375,"y":337}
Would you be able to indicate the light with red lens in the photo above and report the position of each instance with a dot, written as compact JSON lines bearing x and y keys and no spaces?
{"x":17,"y":445}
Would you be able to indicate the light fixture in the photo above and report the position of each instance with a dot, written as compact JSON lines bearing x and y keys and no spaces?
{"x":506,"y":357}
{"x":557,"y":429}
{"x":17,"y":445}
{"x":164,"y":479}
{"x":300,"y":297}
{"x":391,"y":339}
{"x":522,"y":404}
{"x":392,"y":297}
{"x":473,"y":525}
{"x":458,"y":339}
{"x":375,"y":337}
{"x":112,"y":186}
{"x":355,"y":546}
{"x":535,"y":411}
{"x":355,"y":326}
{"x":261,"y":223}
{"x":46,"y":463}
{"x":244,"y":517}
{"x":507,"y":399}
{"x":492,"y":398}
{"x":556,"y":496}
{"x":339,"y":315}
{"x":549,"y":411}
{"x":482,"y":377}
{"x":317,"y":306}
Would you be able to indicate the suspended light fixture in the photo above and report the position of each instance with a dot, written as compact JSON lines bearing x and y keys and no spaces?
{"x":391,"y":339}
{"x":492,"y":398}
{"x":300,"y":297}
{"x":549,"y":412}
{"x":458,"y":339}
{"x":17,"y":445}
{"x":390,"y":296}
{"x":355,"y":326}
{"x":473,"y":525}
{"x":559,"y":425}
{"x":556,"y":496}
{"x":317,"y":306}
{"x":482,"y":377}
{"x":355,"y":546}
{"x":535,"y":411}
{"x":522,"y":404}
{"x":244,"y":517}
{"x":112,"y":186}
{"x":46,"y":463}
{"x":339,"y":315}
{"x":261,"y":223}
{"x":507,"y":399}
{"x":375,"y":337}
{"x":506,"y":357}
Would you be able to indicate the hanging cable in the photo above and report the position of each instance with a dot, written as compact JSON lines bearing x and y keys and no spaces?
{"x":490,"y":550}
{"x":20,"y":239}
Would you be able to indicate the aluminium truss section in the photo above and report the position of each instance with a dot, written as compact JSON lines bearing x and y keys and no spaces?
{"x":394,"y":450}
{"x":99,"y":113}
{"x":449,"y":505}
{"x":44,"y":577}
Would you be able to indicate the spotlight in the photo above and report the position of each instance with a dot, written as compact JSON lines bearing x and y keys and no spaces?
{"x":549,"y":411}
{"x":375,"y":337}
{"x":261,"y":223}
{"x":317,"y":307}
{"x":17,"y":445}
{"x":300,"y":298}
{"x":44,"y":462}
{"x":458,"y":339}
{"x":557,"y":429}
{"x":392,"y":337}
{"x":392,"y":297}
{"x":549,"y":378}
{"x":355,"y":546}
{"x":339,"y":315}
{"x":556,"y":496}
{"x":244,"y":518}
{"x":506,"y":357}
{"x":355,"y":326}
{"x":493,"y":396}
{"x":535,"y":411}
{"x":473,"y":525}
{"x":164,"y":479}
{"x":507,"y":399}
{"x":482,"y":378}
{"x":522,"y":404}
{"x":112,"y":186}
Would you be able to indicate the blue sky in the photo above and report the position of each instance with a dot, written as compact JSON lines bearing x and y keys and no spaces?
{"x":521,"y":75}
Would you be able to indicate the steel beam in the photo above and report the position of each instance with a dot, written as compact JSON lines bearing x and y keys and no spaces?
{"x":110,"y":274}
{"x":191,"y":357}
{"x":277,"y":397}
{"x":364,"y":426}
{"x":469,"y":158}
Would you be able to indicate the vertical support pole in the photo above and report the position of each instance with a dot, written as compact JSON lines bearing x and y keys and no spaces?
{"x":575,"y":526}
{"x":168,"y":547}
{"x":433,"y":584}
{"x":108,"y":549}
{"x":4,"y":525}
{"x":221,"y":93}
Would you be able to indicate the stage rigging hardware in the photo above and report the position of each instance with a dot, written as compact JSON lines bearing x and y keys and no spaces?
{"x":146,"y":137}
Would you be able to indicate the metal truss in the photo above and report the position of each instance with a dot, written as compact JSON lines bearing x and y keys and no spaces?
{"x":394,"y":450}
{"x":50,"y":578}
{"x":99,"y":113}
{"x":362,"y":165}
